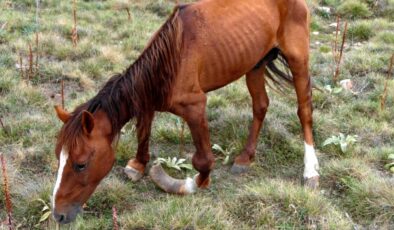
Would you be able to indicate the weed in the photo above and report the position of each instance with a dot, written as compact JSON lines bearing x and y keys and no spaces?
{"x":227,"y":153}
{"x":46,"y":212}
{"x":344,"y":141}
{"x":174,"y":163}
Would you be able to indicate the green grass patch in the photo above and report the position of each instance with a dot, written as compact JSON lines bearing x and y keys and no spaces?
{"x":354,"y":9}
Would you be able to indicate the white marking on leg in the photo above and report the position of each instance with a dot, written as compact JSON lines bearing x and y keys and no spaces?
{"x":310,"y":162}
{"x":62,"y":163}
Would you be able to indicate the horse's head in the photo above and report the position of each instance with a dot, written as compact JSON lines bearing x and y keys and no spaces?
{"x":85,"y":153}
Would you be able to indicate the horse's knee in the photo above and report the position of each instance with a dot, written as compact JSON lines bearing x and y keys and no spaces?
{"x":259,"y":110}
{"x":203,"y":163}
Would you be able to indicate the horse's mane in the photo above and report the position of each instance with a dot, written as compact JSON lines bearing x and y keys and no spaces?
{"x":144,"y":86}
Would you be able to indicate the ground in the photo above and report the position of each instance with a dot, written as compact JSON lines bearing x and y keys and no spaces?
{"x":357,"y":190}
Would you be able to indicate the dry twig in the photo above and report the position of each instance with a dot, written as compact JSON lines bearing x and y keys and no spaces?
{"x":128,"y":13}
{"x":8,"y":202}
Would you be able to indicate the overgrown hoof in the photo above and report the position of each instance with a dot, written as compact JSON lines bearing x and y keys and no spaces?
{"x":172,"y":185}
{"x":312,"y":182}
{"x":239,"y":169}
{"x":132,"y":173}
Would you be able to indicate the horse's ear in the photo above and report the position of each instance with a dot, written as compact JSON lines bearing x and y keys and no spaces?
{"x":62,"y":114}
{"x":87,"y":122}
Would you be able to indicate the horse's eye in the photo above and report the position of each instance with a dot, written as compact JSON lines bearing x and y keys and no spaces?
{"x":79,"y":167}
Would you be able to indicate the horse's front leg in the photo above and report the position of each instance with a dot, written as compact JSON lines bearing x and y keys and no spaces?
{"x":192,"y":110}
{"x":135,"y":168}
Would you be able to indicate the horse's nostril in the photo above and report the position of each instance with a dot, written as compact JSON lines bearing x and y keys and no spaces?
{"x":61,"y":218}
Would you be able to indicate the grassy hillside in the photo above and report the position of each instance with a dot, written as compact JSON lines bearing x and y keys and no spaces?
{"x":357,"y":190}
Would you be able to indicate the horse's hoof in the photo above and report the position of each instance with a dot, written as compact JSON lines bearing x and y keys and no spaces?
{"x":312,"y":183}
{"x":238,"y":169}
{"x":132,"y":173}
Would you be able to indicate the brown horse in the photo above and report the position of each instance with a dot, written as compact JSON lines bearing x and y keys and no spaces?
{"x":201,"y":47}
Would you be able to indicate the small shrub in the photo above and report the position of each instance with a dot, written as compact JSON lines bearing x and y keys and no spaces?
{"x":324,"y":49}
{"x":360,"y":31}
{"x":354,"y":9}
{"x":386,"y":37}
{"x":332,"y":3}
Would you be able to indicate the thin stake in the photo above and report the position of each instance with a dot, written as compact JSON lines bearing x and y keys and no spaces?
{"x":62,"y":92}
{"x":115,"y":218}
{"x":384,"y":95}
{"x":6,"y":192}
{"x":340,"y":54}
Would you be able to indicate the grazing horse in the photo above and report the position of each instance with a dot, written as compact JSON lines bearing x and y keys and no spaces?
{"x":201,"y":47}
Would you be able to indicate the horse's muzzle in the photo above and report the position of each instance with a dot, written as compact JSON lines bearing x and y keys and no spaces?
{"x":68,"y":216}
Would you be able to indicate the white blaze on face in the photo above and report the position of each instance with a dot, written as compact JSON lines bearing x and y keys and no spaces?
{"x":62,"y":163}
{"x":310,"y":161}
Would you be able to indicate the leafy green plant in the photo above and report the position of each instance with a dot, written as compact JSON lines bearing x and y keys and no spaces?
{"x":331,"y":90}
{"x":226,"y":152}
{"x":390,"y":166}
{"x":46,"y":212}
{"x":342,"y":140}
{"x":174,"y":163}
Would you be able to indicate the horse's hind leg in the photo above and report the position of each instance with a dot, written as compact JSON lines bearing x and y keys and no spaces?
{"x":295,"y":46}
{"x":135,"y":167}
{"x":256,"y":86}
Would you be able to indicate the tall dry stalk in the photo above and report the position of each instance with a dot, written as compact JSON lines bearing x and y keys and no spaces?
{"x":115,"y":218}
{"x":338,"y":61}
{"x":21,"y":66}
{"x":336,"y":36}
{"x":30,"y":70}
{"x":62,"y":92}
{"x":37,"y":54}
{"x":182,"y":140}
{"x":74,"y":32}
{"x":383,"y":97}
{"x":8,"y":202}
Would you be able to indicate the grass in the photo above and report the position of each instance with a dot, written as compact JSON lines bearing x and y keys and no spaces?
{"x":356,"y":189}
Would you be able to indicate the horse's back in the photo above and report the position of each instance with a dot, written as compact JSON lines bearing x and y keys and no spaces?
{"x":227,"y":38}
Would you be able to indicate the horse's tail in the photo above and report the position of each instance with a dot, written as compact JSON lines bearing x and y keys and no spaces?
{"x":277,"y":69}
